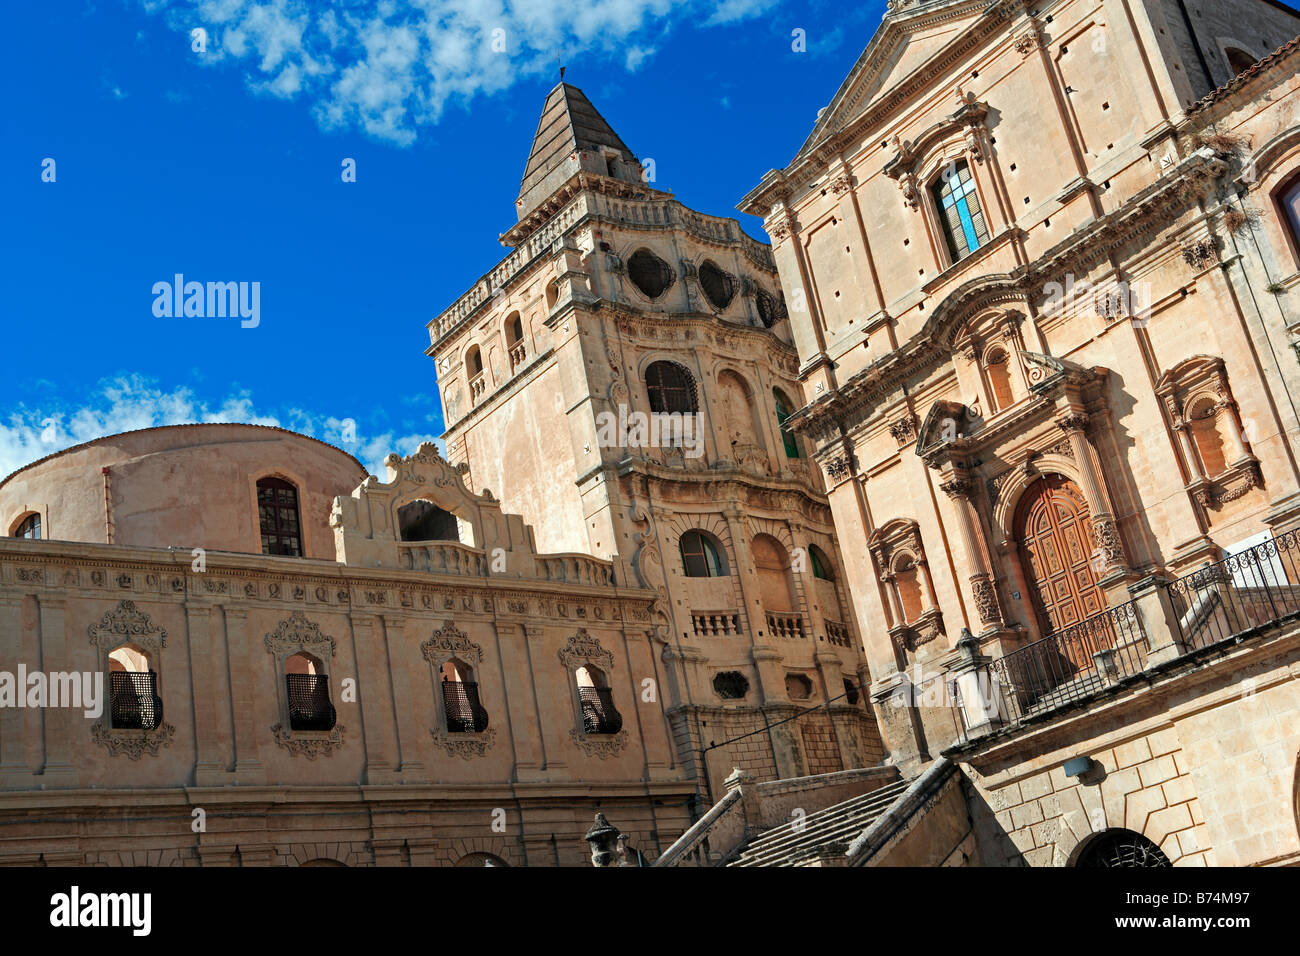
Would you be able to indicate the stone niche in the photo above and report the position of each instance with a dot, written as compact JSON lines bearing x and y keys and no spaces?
{"x":367,"y":524}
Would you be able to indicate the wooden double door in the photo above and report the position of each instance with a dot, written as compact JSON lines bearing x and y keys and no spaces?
{"x":1057,"y":550}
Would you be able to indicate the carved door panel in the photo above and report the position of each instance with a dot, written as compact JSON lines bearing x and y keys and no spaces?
{"x":1054,"y":530}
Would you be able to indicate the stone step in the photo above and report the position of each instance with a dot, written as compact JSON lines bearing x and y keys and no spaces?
{"x":837,"y":824}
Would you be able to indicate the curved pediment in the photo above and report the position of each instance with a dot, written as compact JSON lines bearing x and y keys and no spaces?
{"x":942,"y":426}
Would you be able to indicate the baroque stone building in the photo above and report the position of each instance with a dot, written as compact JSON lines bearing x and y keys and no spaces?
{"x":1041,"y":266}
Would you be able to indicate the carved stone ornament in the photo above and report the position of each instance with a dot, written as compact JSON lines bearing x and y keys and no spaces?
{"x":465,"y":745}
{"x":1108,"y":539}
{"x":296,"y":633}
{"x":986,"y":600}
{"x":837,"y":467}
{"x":1073,"y":423}
{"x":447,"y":642}
{"x":904,"y":429}
{"x":309,"y":744}
{"x":581,"y":648}
{"x":132,"y":743}
{"x":957,"y":487}
{"x":127,"y":624}
{"x":602,"y":746}
{"x":1201,"y":254}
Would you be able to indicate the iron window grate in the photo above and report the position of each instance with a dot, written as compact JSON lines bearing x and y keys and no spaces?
{"x":134,"y":703}
{"x":599,"y":715}
{"x":465,"y":715}
{"x":309,"y":702}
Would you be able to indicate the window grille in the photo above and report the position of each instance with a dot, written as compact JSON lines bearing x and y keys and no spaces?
{"x":649,"y":273}
{"x":719,"y":287}
{"x":134,"y":703}
{"x":309,"y":702}
{"x":465,"y":715}
{"x":598,"y":713}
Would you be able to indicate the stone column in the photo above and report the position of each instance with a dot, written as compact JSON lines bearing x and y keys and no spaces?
{"x":1103,"y":520}
{"x":959,"y":488}
{"x":367,"y":654}
{"x":520,"y":702}
{"x":555,"y":709}
{"x":59,"y":770}
{"x":209,"y":770}
{"x":411,"y":726}
{"x":13,"y":733}
{"x":243,"y":689}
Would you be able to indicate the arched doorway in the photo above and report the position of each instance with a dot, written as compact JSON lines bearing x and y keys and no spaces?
{"x":1121,"y":848}
{"x":1054,"y":531}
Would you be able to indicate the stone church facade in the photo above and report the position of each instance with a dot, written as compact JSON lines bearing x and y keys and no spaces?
{"x":1041,"y":263}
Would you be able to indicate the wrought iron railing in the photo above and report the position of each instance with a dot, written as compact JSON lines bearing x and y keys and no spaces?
{"x":1070,"y":664}
{"x":465,"y":715}
{"x":599,"y":716}
{"x":134,"y":703}
{"x":1257,"y":587}
{"x":309,"y":702}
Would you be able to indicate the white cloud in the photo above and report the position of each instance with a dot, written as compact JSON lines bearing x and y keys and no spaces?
{"x":127,"y":403}
{"x":389,"y":68}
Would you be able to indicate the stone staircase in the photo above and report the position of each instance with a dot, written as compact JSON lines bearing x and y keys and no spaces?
{"x":823,"y":835}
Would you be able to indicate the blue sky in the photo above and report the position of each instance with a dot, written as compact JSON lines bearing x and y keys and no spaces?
{"x":225,"y":166}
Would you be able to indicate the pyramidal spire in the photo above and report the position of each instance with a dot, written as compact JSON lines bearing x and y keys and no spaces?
{"x":571,"y":125}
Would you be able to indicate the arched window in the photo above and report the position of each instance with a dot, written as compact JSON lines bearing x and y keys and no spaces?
{"x":422,"y":520}
{"x":515,"y":347}
{"x":1289,"y":199}
{"x":1202,"y":419}
{"x":821,"y":565}
{"x":783,"y":411}
{"x":671,"y":388}
{"x":649,"y":273}
{"x":772,"y":562}
{"x":770,"y":308}
{"x":960,"y":212}
{"x":552,"y":293}
{"x":997,"y":365}
{"x":29,"y":527}
{"x":1121,"y":848}
{"x":134,"y":703}
{"x":1239,"y":61}
{"x":700,"y":556}
{"x":719,"y":287}
{"x":277,"y":512}
{"x":599,"y":715}
{"x":908,"y":583}
{"x":308,"y":689}
{"x":460,"y":699}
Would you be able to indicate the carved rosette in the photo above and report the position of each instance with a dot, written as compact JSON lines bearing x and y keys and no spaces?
{"x":309,"y":744}
{"x":127,"y":624}
{"x":601,"y":746}
{"x":582,"y":648}
{"x":132,"y":743}
{"x":447,"y":642}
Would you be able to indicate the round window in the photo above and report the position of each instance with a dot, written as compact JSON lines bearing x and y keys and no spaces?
{"x":719,"y":286}
{"x":649,"y":273}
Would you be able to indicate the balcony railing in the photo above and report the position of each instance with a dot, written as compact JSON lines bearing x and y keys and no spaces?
{"x":309,"y":702}
{"x":465,"y":715}
{"x":477,"y":386}
{"x":599,"y":715}
{"x":517,"y":355}
{"x":715,"y":623}
{"x":1069,"y":665}
{"x":1257,"y":587}
{"x":134,"y":702}
{"x":788,"y":626}
{"x":837,"y":634}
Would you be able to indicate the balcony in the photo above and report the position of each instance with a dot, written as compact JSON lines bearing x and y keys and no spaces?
{"x":309,"y":702}
{"x":465,"y":715}
{"x":837,"y":633}
{"x":1219,"y":604}
{"x":599,"y":715}
{"x":134,"y":703}
{"x":716,"y":623}
{"x":785,"y":625}
{"x":442,"y":557}
{"x":477,"y":386}
{"x":517,"y":354}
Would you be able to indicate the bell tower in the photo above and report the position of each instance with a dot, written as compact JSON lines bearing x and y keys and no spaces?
{"x":621,"y":379}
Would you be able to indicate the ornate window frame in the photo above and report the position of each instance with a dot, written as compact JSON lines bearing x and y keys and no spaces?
{"x":891,"y":545}
{"x":444,"y":644}
{"x":1190,"y":384}
{"x":121,"y":626}
{"x":584,"y":648}
{"x":293,"y":635}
